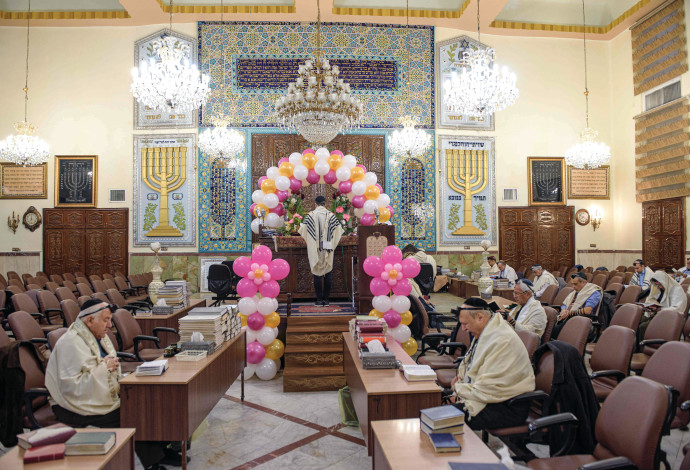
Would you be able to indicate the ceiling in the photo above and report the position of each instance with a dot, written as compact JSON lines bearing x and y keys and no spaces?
{"x":554,"y":18}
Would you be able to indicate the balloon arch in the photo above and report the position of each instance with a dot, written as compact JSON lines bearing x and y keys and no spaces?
{"x":319,"y":166}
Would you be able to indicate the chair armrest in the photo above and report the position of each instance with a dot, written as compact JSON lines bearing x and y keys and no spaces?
{"x":685,"y":406}
{"x":435,"y":336}
{"x":132,"y":308}
{"x":553,"y":420}
{"x":458,"y":360}
{"x":37,"y":316}
{"x":40,"y":341}
{"x":616,"y":374}
{"x":127,"y":292}
{"x":139,"y":338}
{"x":29,"y":396}
{"x":163,"y":328}
{"x":529,"y":396}
{"x":614,"y":462}
{"x":453,"y":344}
{"x":126,"y":355}
{"x":139,"y":303}
{"x":648,"y":342}
{"x":48,"y":311}
{"x":557,"y":307}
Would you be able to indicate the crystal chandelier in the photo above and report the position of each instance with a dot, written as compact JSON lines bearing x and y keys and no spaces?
{"x":25,"y":148}
{"x":588,"y":153}
{"x":173,"y":84}
{"x":408,"y":140}
{"x":318,"y":105}
{"x":480,"y":89}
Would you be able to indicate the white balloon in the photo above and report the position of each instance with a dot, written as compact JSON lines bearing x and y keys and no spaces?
{"x":282,"y":183}
{"x":295,"y":158}
{"x":277,"y":361}
{"x":249,"y":370}
{"x":401,"y":333}
{"x":266,"y":369}
{"x":271,"y":200}
{"x":246,"y":305}
{"x":382,"y":303}
{"x":275,"y":305}
{"x":322,"y":153}
{"x":359,"y":212}
{"x":251,"y":335}
{"x":370,"y":178}
{"x":321,"y":167}
{"x":272,"y":172}
{"x":255,"y":225}
{"x":300,"y":172}
{"x":273,"y":220}
{"x":258,"y":196}
{"x":359,"y":187}
{"x":265,"y":306}
{"x":400,"y":303}
{"x":383,"y":200}
{"x":266,"y":336}
{"x":275,"y":331}
{"x":349,"y":161}
{"x":369,"y":207}
{"x":342,"y":173}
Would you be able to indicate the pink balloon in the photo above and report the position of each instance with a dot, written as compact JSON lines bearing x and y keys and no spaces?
{"x":345,"y":186}
{"x":410,"y":267}
{"x":251,"y":209}
{"x":337,"y":152}
{"x":282,"y":195}
{"x":278,"y":210}
{"x":256,"y":321}
{"x":362,"y":166}
{"x":269,"y":289}
{"x":241,"y":266}
{"x":380,"y":188}
{"x":378,"y":286}
{"x":283,"y":160}
{"x":391,"y":254}
{"x":262,"y":255}
{"x":358,"y":201}
{"x":403,"y":287}
{"x":313,"y":177}
{"x":306,"y":151}
{"x":255,"y":351}
{"x":391,"y":316}
{"x":373,"y":266}
{"x":279,"y":269}
{"x":295,"y":184}
{"x":246,"y":288}
{"x":261,"y":180}
{"x":330,"y":178}
{"x":367,"y":219}
{"x":390,"y":209}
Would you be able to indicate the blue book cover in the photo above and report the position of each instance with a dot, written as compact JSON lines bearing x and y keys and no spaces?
{"x":444,"y":442}
{"x":442,"y":416}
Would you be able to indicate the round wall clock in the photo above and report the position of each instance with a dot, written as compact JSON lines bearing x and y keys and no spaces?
{"x":32,"y":218}
{"x":582,"y":217}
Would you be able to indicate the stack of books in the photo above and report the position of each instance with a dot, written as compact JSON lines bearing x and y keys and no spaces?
{"x":225,"y":317}
{"x":501,"y":284}
{"x":45,"y":443}
{"x":442,"y":419}
{"x":418,"y":372}
{"x":152,"y":367}
{"x":369,"y":330}
{"x":175,"y":294}
{"x":212,"y":325}
{"x":90,"y":443}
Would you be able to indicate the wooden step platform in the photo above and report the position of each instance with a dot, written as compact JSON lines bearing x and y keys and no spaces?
{"x":314,"y":353}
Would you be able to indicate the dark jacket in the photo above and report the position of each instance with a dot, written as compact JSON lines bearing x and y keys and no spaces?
{"x":607,"y":308}
{"x":11,"y":394}
{"x":571,"y":392}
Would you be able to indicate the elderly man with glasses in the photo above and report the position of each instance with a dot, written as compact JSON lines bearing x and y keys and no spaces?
{"x":528,"y":315}
{"x":543,"y":280}
{"x":584,"y":300}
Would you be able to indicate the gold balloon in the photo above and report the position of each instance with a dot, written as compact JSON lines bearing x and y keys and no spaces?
{"x":268,"y":186}
{"x":334,"y":161}
{"x":384,"y":214}
{"x":243,"y":319}
{"x":272,"y":320}
{"x":262,"y":206}
{"x":356,"y":174}
{"x":410,"y":346}
{"x":406,"y":318}
{"x":309,"y":160}
{"x":372,"y":192}
{"x":286,"y":169}
{"x":375,"y":313}
{"x":276,"y":349}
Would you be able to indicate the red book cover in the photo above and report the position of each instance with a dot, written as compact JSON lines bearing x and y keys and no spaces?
{"x":44,"y":453}
{"x":55,"y":434}
{"x":371,"y":328}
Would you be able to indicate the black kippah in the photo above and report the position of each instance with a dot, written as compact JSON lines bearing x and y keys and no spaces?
{"x":580,"y":275}
{"x":320,"y":200}
{"x":527,"y":282}
{"x":476,"y":302}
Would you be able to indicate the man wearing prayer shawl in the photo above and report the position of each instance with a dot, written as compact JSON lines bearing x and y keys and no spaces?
{"x":506,"y":272}
{"x":529,"y":315}
{"x":664,"y":292}
{"x":584,"y":300}
{"x":543,"y":280}
{"x":642,"y":276}
{"x":494,"y":267}
{"x":321,"y":231}
{"x":495,"y":369}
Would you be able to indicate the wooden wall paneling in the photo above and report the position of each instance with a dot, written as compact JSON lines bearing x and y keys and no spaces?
{"x":663,"y":233}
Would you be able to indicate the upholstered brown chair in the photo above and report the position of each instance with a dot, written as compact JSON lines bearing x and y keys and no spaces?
{"x":3,"y":281}
{"x":556,"y":274}
{"x":629,"y":295}
{"x":620,"y":269}
{"x":64,"y":293}
{"x":49,"y":306}
{"x":22,"y":302}
{"x":619,"y":432}
{"x":107,"y":276}
{"x":17,"y":283}
{"x":686,"y":330}
{"x":630,"y":269}
{"x":4,"y":308}
{"x":148,"y":277}
{"x":33,"y":295}
{"x":100,"y":296}
{"x":561,"y":296}
{"x":118,"y":273}
{"x":610,"y":361}
{"x":614,"y":280}
{"x":130,"y":293}
{"x":79,"y":274}
{"x":83,"y":280}
{"x":548,"y":295}
{"x":589,"y":277}
{"x":52,"y":286}
{"x":664,"y":327}
{"x":130,"y":335}
{"x":94,"y":277}
{"x":530,"y":340}
{"x":13,"y":275}
{"x":600,"y":280}
{"x":84,"y":289}
{"x":128,"y":362}
{"x":138,"y":284}
{"x":627,"y":315}
{"x":30,"y":287}
{"x":25,"y":328}
{"x":4,"y":338}
{"x":110,"y":284}
{"x":57,"y":279}
{"x":614,"y":273}
{"x":551,"y":316}
{"x":447,"y":359}
{"x":70,"y":310}
{"x":54,"y":336}
{"x":589,"y":269}
{"x":98,"y":286}
{"x":69,"y":277}
{"x":83,"y":299}
{"x":575,"y":332}
{"x":628,"y":277}
{"x":71,"y":286}
{"x":38,"y":412}
{"x":118,"y":300}
{"x":616,"y":287}
{"x":28,"y":279}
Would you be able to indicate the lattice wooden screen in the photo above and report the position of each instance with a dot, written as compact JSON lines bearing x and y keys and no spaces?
{"x":659,"y":47}
{"x":662,"y":149}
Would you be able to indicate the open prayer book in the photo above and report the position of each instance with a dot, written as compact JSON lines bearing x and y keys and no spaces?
{"x":153,"y":367}
{"x":418,"y":372}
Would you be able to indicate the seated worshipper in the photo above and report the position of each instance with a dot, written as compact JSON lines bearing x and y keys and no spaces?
{"x":543,"y":280}
{"x":494,"y":267}
{"x":584,"y":300}
{"x":664,"y":292}
{"x":321,"y":231}
{"x":642,"y":275}
{"x":684,"y":271}
{"x":506,"y":272}
{"x":83,"y":376}
{"x":495,"y":369}
{"x":411,"y":251}
{"x":529,"y":315}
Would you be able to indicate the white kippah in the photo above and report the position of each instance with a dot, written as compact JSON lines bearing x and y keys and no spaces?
{"x":93,"y":309}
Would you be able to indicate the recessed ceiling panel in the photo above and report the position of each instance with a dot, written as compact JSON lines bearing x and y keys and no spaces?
{"x":599,"y":13}
{"x":440,"y":5}
{"x":62,"y":5}
{"x":230,"y":3}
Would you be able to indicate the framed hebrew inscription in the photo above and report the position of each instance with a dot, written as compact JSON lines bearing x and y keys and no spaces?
{"x":589,"y":184}
{"x":23,"y":182}
{"x":545,"y":180}
{"x":76,"y":181}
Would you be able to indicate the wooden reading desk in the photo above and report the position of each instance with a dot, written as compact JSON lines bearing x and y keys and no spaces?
{"x":380,"y":394}
{"x":147,"y":324}
{"x":399,"y":443}
{"x":171,"y":406}
{"x":120,"y":457}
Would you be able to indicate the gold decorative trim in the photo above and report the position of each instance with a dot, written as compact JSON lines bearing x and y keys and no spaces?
{"x":655,"y":196}
{"x":664,"y":181}
{"x":231,"y":9}
{"x":315,"y":338}
{"x":663,"y":143}
{"x":662,"y":113}
{"x":661,"y":11}
{"x":401,"y":12}
{"x":316,"y":358}
{"x":571,"y":28}
{"x":668,"y":38}
{"x":667,"y":168}
{"x":313,"y":383}
{"x":661,"y":79}
{"x":641,"y":76}
{"x":661,"y":156}
{"x":659,"y":131}
{"x":65,"y":15}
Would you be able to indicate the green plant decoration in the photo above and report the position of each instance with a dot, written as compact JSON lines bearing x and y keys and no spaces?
{"x":149,"y":216}
{"x":454,"y":218}
{"x":178,"y":219}
{"x":481,"y":217}
{"x":451,"y":52}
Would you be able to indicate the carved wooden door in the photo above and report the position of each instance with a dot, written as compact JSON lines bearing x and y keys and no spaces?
{"x":663,"y":233}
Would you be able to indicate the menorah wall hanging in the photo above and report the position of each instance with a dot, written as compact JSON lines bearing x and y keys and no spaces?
{"x":76,"y":181}
{"x":467,"y":206}
{"x":546,"y":181}
{"x":164,"y":189}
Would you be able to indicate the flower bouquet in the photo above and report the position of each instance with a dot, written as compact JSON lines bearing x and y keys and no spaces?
{"x":341,"y":207}
{"x":294,"y":211}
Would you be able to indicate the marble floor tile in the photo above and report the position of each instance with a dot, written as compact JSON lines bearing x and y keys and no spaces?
{"x":327,"y":452}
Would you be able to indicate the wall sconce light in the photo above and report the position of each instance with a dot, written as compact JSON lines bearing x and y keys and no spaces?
{"x":13,"y":222}
{"x":596,"y":219}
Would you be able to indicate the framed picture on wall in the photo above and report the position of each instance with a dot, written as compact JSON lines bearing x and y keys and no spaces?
{"x":76,"y":181}
{"x":588,"y":184}
{"x":546,"y":180}
{"x":23,"y":182}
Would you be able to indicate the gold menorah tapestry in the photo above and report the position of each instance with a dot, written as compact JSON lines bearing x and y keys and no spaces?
{"x":164,"y":169}
{"x":467,"y":173}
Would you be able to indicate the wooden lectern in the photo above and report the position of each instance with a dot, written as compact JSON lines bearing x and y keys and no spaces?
{"x":372,"y":240}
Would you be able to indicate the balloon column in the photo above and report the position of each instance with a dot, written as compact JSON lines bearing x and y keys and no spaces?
{"x":319,"y":166}
{"x":392,"y":273}
{"x":258,"y":290}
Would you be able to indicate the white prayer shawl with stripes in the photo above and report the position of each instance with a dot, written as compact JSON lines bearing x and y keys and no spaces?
{"x":320,"y":226}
